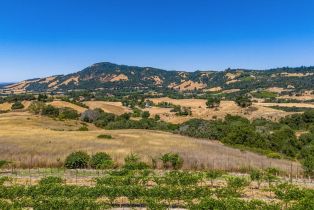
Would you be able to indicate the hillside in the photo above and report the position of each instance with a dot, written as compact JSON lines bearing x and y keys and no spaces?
{"x":46,"y":140}
{"x":109,"y":76}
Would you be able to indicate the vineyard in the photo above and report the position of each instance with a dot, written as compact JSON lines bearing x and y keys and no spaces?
{"x":152,"y":189}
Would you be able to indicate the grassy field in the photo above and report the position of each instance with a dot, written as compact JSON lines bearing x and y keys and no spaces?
{"x":199,"y":110}
{"x":111,"y":107}
{"x":36,"y":141}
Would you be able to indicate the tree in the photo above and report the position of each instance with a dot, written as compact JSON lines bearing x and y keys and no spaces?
{"x":307,"y":155}
{"x":132,"y":162}
{"x":76,"y":160}
{"x":243,"y":101}
{"x":36,"y":107}
{"x":42,"y":97}
{"x":213,"y":102}
{"x":17,"y":105}
{"x":68,"y":113}
{"x":50,"y":111}
{"x":145,"y":114}
{"x":212,"y":175}
{"x":256,"y":175}
{"x":171,"y":159}
{"x":101,"y":160}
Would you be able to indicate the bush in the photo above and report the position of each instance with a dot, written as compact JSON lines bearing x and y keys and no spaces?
{"x":17,"y":105}
{"x":104,"y":136}
{"x":213,"y":102}
{"x":83,"y":128}
{"x":76,"y":160}
{"x":3,"y":163}
{"x":132,"y":162}
{"x":101,"y":160}
{"x":50,"y":111}
{"x":51,"y":180}
{"x":68,"y":113}
{"x":173,"y":160}
{"x":243,"y":101}
{"x":36,"y":107}
{"x":145,"y":114}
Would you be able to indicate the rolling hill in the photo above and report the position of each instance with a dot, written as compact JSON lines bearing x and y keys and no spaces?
{"x":109,"y":76}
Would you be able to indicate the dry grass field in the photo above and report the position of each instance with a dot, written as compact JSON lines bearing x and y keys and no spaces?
{"x":111,"y":107}
{"x":199,"y":110}
{"x":62,"y":104}
{"x":36,"y":141}
{"x":7,"y":106}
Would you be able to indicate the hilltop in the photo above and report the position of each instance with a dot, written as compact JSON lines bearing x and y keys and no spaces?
{"x":109,"y":76}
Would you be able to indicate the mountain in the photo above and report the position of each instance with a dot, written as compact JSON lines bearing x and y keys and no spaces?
{"x":110,"y":76}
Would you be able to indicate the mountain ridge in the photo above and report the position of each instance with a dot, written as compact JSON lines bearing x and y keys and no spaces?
{"x":106,"y":75}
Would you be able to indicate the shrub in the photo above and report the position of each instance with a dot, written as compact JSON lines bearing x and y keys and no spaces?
{"x":17,"y":105}
{"x":51,"y":180}
{"x":36,"y":107}
{"x":3,"y":163}
{"x":173,"y":160}
{"x":274,"y":155}
{"x":104,"y":136}
{"x":83,"y":128}
{"x":76,"y":160}
{"x":101,"y":160}
{"x":132,"y":162}
{"x":243,"y":101}
{"x":213,"y":102}
{"x":145,"y":114}
{"x":213,"y":174}
{"x":308,"y":165}
{"x":68,"y":113}
{"x":256,"y":175}
{"x":50,"y":111}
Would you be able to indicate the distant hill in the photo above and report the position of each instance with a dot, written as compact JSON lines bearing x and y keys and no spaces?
{"x":3,"y":84}
{"x":109,"y":76}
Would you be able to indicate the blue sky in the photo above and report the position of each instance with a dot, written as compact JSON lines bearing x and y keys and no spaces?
{"x":47,"y":37}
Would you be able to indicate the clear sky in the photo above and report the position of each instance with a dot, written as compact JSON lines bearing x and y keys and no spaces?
{"x":47,"y":37}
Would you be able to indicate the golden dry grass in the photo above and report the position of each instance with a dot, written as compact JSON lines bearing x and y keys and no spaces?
{"x":62,"y":104}
{"x":111,"y":107}
{"x":38,"y":141}
{"x":199,"y":110}
{"x":5,"y":106}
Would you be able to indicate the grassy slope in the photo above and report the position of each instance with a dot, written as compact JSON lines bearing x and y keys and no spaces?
{"x":40,"y":142}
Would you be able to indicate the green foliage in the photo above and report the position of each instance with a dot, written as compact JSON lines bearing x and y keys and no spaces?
{"x":101,"y":160}
{"x":17,"y":105}
{"x":145,"y":114}
{"x":51,"y":180}
{"x":264,"y":94}
{"x":83,"y":128}
{"x":3,"y":163}
{"x":243,"y":101}
{"x":213,"y":174}
{"x":76,"y":160}
{"x":256,"y":175}
{"x":213,"y":102}
{"x":104,"y":136}
{"x":171,"y":160}
{"x":36,"y":107}
{"x":50,"y":111}
{"x":42,"y":97}
{"x":68,"y":113}
{"x":236,"y":184}
{"x":132,"y":162}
